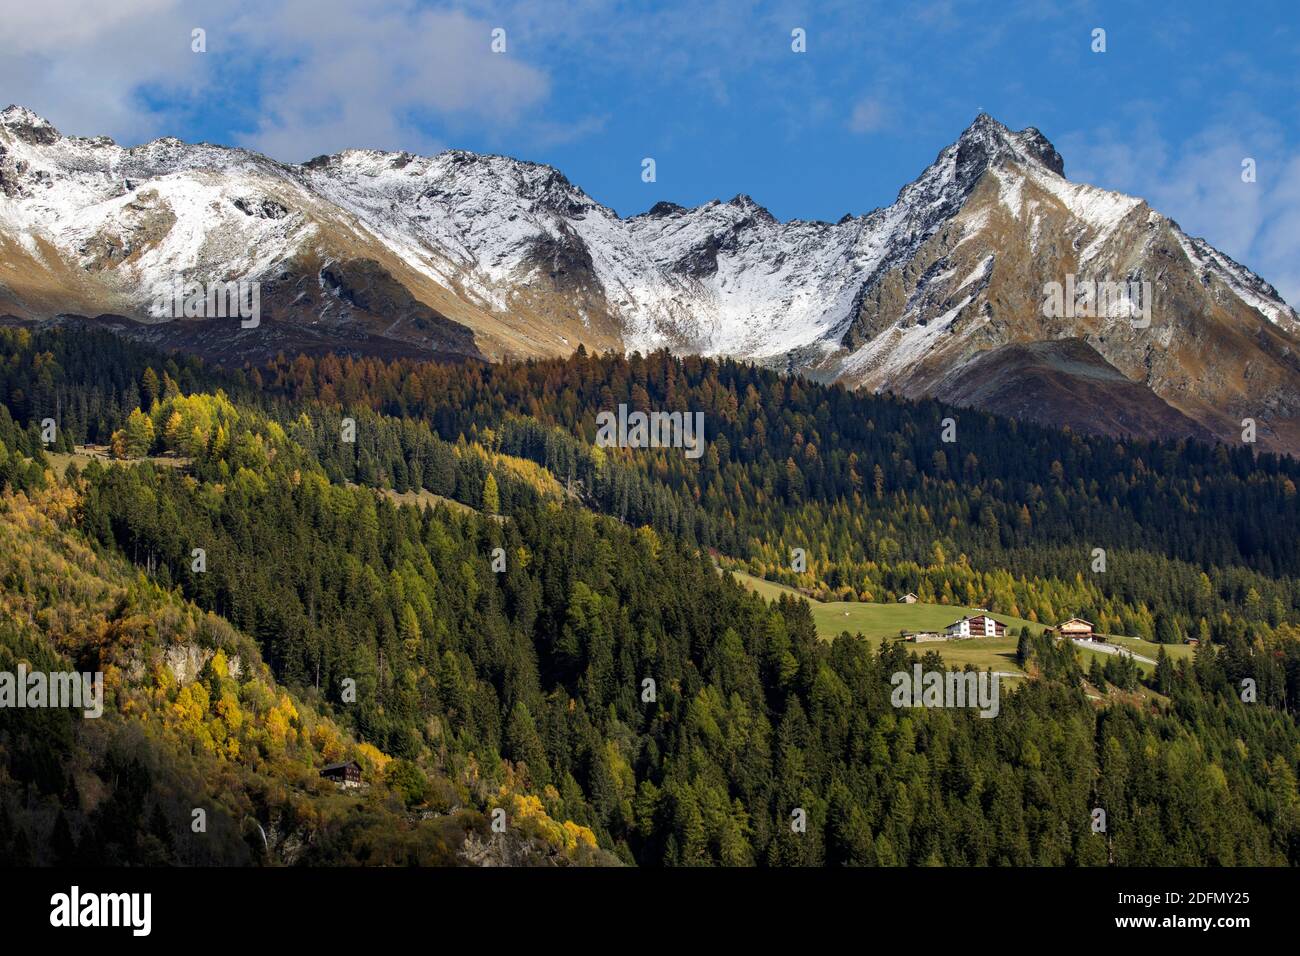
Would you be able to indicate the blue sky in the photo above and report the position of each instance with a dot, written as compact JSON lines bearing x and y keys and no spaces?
{"x":714,"y":94}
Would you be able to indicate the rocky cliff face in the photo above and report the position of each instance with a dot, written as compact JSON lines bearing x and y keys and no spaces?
{"x":1211,"y":340}
{"x":464,"y":254}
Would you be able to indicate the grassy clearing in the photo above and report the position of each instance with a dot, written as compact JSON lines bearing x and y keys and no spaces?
{"x":423,"y":498}
{"x":85,"y":454}
{"x":427,"y":499}
{"x":877,"y":622}
{"x":1150,"y":649}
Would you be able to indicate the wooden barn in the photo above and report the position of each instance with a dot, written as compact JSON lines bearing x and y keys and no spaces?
{"x":908,"y":598}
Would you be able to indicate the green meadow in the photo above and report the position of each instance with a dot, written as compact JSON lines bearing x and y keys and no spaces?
{"x":876,"y":622}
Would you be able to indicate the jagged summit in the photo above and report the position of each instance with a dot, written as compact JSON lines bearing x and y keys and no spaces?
{"x":13,"y":113}
{"x":991,"y":142}
{"x":28,"y":126}
{"x":983,"y":145}
{"x":662,"y":208}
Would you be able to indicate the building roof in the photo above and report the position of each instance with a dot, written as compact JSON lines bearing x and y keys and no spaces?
{"x":341,"y":766}
{"x":1075,"y":620}
{"x":977,"y":617}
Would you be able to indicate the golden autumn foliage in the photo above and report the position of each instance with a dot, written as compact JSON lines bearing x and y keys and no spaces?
{"x":193,"y":686}
{"x":136,"y":631}
{"x":526,"y":813}
{"x":372,"y":758}
{"x":518,"y":469}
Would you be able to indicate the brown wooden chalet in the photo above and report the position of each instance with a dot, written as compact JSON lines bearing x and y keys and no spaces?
{"x":346,"y":774}
{"x":1076,"y":629}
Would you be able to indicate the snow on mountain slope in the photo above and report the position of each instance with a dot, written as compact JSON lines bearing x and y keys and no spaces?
{"x":87,"y":226}
{"x":137,"y":218}
{"x":725,"y":278}
{"x":463,"y":252}
{"x":1212,"y":341}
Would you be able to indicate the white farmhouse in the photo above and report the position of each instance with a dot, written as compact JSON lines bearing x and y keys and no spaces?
{"x":980,"y":626}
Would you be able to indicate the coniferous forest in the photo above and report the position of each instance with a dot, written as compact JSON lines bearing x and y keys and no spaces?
{"x":434,"y":569}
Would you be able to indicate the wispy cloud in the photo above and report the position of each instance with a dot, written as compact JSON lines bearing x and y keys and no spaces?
{"x":302,"y":76}
{"x":868,"y":115}
{"x":350,"y":74}
{"x":1198,"y":182}
{"x":86,"y":64}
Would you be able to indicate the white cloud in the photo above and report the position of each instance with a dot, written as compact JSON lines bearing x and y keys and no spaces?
{"x":1198,"y":183}
{"x":868,"y":116}
{"x":327,"y":74}
{"x":55,"y":25}
{"x":355,"y":75}
{"x":82,"y":63}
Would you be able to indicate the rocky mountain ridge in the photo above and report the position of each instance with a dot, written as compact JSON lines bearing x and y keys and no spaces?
{"x":487,"y":257}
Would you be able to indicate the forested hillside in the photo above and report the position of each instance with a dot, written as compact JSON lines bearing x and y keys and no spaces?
{"x":510,"y":644}
{"x":194,"y":720}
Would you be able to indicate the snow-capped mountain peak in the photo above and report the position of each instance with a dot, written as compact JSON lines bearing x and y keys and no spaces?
{"x":28,"y":126}
{"x":484,"y":253}
{"x":994,"y":142}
